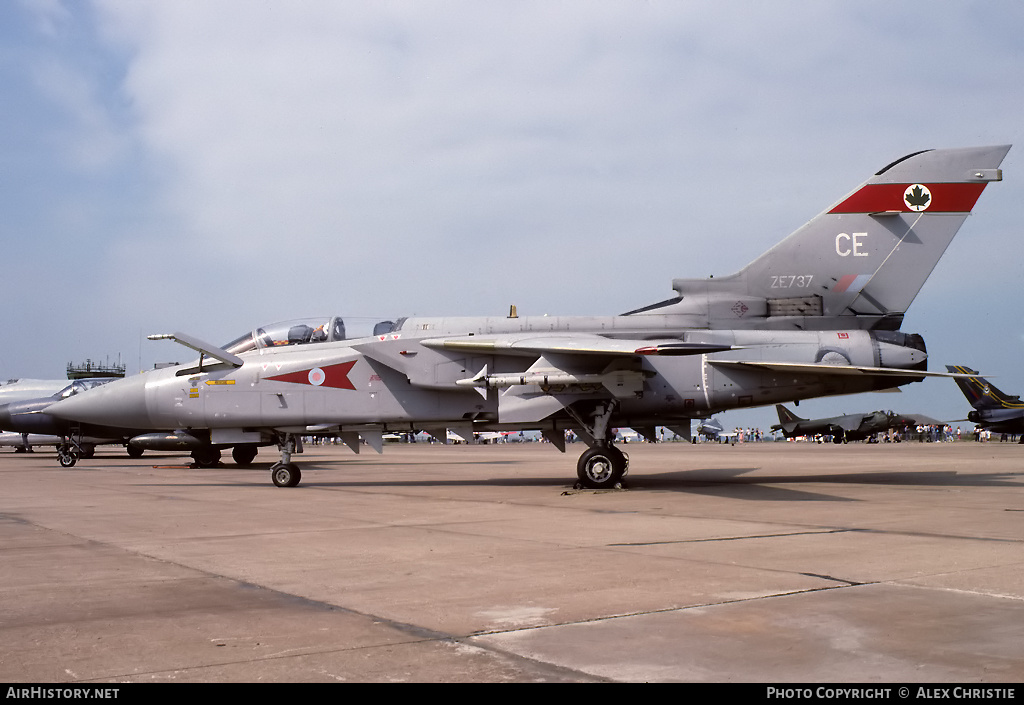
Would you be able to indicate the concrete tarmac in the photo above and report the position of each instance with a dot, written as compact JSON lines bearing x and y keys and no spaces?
{"x":759,"y":562}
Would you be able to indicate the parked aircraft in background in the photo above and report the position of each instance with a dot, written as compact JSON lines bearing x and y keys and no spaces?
{"x":628,"y":435}
{"x":25,"y":442}
{"x":994,"y":410}
{"x":817,"y":315}
{"x":29,"y":419}
{"x":712,"y":430}
{"x":849,"y":427}
{"x":22,"y":389}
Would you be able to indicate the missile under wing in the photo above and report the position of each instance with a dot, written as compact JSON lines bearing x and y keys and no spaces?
{"x":818,"y":314}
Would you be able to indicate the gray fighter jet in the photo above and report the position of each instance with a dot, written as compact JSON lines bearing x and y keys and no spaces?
{"x":849,"y":427}
{"x":22,"y":389}
{"x":28,"y":419}
{"x":818,"y":314}
{"x":994,"y":410}
{"x":30,"y":426}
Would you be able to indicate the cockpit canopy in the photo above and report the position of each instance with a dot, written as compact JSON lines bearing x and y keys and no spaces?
{"x":82,"y":385}
{"x":301,"y":332}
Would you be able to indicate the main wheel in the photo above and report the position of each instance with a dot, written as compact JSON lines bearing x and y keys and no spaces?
{"x":601,"y":468}
{"x":67,"y":458}
{"x":206,"y":457}
{"x":243,"y":455}
{"x":285,"y":474}
{"x":134,"y":451}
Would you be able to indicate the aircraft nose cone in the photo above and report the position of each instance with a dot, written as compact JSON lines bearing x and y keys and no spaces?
{"x":121,"y":404}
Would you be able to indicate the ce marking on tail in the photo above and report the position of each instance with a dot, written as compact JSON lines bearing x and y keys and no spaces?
{"x":847,"y":245}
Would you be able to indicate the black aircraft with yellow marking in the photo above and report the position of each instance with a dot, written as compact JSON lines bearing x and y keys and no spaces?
{"x":818,"y":314}
{"x":994,"y":410}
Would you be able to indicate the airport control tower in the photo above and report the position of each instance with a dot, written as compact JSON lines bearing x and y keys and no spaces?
{"x":95,"y":369}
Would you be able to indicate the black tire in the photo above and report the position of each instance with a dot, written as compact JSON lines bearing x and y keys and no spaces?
{"x":67,"y":459}
{"x":601,"y":468}
{"x":134,"y":451}
{"x":88,"y":450}
{"x":243,"y":455}
{"x":285,"y":474}
{"x":206,"y":457}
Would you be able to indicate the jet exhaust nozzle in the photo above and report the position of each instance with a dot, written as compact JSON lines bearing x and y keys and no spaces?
{"x":899,"y":349}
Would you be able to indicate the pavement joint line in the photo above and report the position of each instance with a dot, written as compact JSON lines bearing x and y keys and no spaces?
{"x":961,"y":591}
{"x":665,"y":610}
{"x":850,"y":583}
{"x":740,"y":538}
{"x":826,"y":531}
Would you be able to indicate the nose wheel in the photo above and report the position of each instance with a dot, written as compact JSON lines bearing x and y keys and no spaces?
{"x":70,"y":450}
{"x":285,"y":474}
{"x":67,"y":457}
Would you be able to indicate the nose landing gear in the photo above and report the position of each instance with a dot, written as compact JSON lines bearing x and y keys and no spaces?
{"x":284,"y":472}
{"x":72,"y":448}
{"x":67,"y":455}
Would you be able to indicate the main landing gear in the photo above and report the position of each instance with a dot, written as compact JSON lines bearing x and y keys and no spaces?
{"x":602,"y":466}
{"x":206,"y":457}
{"x":209,"y":457}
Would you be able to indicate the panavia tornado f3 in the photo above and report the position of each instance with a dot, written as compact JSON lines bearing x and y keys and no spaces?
{"x":818,"y":314}
{"x":994,"y":410}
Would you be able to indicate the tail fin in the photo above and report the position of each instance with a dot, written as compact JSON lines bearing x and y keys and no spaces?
{"x":786,"y":419}
{"x":786,"y":416}
{"x":860,"y":263}
{"x":982,"y":394}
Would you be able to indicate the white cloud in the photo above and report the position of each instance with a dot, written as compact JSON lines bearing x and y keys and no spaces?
{"x":454,"y":157}
{"x":51,"y":18}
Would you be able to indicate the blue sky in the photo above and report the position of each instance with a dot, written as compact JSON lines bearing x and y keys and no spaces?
{"x":212,"y":166}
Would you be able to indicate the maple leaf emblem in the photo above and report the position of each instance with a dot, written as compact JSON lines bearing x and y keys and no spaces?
{"x":917,"y":197}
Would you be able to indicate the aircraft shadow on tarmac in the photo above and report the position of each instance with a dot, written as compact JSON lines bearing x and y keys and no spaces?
{"x":732,"y":483}
{"x":728,"y":482}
